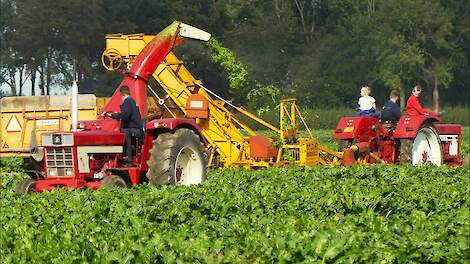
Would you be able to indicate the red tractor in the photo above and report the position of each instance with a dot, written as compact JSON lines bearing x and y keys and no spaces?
{"x":414,"y":140}
{"x":171,"y":150}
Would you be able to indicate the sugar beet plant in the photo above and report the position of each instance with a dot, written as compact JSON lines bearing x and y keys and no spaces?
{"x":384,"y":214}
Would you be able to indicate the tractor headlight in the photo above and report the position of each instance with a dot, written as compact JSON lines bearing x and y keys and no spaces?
{"x":69,"y":172}
{"x":81,"y":125}
{"x":52,"y":172}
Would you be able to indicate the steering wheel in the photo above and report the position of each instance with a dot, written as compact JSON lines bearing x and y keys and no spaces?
{"x":111,"y":59}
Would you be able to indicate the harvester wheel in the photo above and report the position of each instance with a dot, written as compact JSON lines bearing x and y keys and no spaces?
{"x":344,"y":144}
{"x":113,"y":181}
{"x":25,"y":186}
{"x":177,"y":158}
{"x":425,"y":148}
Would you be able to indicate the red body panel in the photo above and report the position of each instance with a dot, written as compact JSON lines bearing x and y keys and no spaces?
{"x":408,"y":126}
{"x":358,"y":128}
{"x":172,"y":123}
{"x":51,"y":183}
{"x":101,"y":124}
{"x":451,"y":139}
{"x":448,"y":129}
{"x":262,"y":148}
{"x":98,"y":138}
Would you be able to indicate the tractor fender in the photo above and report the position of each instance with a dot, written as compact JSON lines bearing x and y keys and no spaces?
{"x":158,"y":126}
{"x":408,"y":126}
{"x":170,"y":124}
{"x":359,"y":128}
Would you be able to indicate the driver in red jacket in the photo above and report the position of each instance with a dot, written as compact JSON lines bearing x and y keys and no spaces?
{"x":413,"y":107}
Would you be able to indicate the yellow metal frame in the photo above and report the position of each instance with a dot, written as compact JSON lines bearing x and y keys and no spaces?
{"x":228,"y":146}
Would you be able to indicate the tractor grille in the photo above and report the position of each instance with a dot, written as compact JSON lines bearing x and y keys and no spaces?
{"x":59,"y":162}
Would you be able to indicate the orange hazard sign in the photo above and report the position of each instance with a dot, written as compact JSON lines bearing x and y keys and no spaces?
{"x":13,"y":125}
{"x":5,"y":146}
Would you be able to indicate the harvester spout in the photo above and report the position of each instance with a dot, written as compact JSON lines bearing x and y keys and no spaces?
{"x":157,"y":49}
{"x":188,"y":31}
{"x":148,"y":60}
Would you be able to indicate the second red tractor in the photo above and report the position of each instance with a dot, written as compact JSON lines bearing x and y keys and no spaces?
{"x":413,"y":140}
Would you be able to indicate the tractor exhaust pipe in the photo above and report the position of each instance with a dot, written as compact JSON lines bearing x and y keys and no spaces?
{"x":74,"y":106}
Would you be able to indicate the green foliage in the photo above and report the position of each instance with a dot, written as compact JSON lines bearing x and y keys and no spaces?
{"x":235,"y":70}
{"x":11,"y":165}
{"x":263,"y":98}
{"x":456,"y":114}
{"x":313,"y":214}
{"x":465,"y":145}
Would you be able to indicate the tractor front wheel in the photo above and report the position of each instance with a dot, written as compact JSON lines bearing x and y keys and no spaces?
{"x":113,"y":181}
{"x":25,"y":186}
{"x":177,"y":158}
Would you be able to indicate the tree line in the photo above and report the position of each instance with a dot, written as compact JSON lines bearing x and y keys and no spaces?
{"x":320,"y":51}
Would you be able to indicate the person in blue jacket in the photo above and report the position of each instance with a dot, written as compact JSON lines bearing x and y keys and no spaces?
{"x":131,"y":122}
{"x":391,"y":111}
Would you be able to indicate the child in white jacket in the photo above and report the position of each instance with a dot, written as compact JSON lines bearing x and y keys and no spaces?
{"x":366,"y":103}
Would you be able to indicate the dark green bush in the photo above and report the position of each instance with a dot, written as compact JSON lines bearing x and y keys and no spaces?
{"x":364,"y":214}
{"x":11,"y":165}
{"x":456,"y":114}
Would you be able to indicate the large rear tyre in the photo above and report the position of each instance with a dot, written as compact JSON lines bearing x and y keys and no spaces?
{"x":25,"y":186}
{"x":113,"y":181}
{"x":424,"y":149}
{"x":177,"y":158}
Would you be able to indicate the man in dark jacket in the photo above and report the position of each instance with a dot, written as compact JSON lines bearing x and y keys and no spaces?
{"x":131,"y":121}
{"x":391,"y":111}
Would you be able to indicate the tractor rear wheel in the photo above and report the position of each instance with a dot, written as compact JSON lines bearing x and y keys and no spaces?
{"x":113,"y":181}
{"x":177,"y":158}
{"x":25,"y":186}
{"x":425,"y":148}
